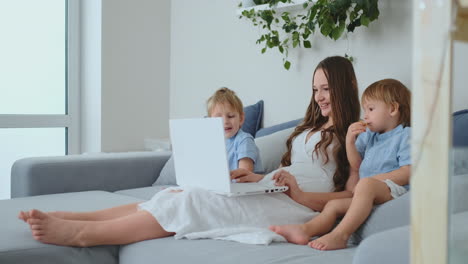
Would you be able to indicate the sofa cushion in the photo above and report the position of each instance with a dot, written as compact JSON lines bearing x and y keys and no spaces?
{"x":18,"y":246}
{"x":460,"y":160}
{"x":394,"y":213}
{"x":458,"y":237}
{"x":381,"y":247}
{"x":170,"y":250}
{"x":388,"y":247}
{"x":460,"y":126}
{"x":167,"y":175}
{"x":458,"y":194}
{"x":144,"y":193}
{"x":272,"y":147}
{"x":253,"y":118}
{"x":275,"y":128}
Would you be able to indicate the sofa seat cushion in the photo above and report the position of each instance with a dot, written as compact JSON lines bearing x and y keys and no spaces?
{"x":144,"y":193}
{"x":170,"y":250}
{"x":458,"y":237}
{"x":18,"y":246}
{"x":389,"y":215}
{"x":381,"y":247}
{"x":387,"y":247}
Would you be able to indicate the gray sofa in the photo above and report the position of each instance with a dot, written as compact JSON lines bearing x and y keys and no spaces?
{"x":91,"y":182}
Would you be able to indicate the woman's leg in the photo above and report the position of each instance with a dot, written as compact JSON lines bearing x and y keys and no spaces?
{"x":100,"y":215}
{"x":319,"y":225}
{"x":137,"y":226}
{"x":368,"y":192}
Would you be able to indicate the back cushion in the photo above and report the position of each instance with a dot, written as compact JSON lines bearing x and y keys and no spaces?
{"x":253,"y":118}
{"x":460,"y":128}
{"x":272,"y":147}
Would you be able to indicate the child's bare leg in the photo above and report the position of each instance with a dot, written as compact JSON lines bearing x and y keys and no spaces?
{"x":319,"y":225}
{"x":134,"y":227}
{"x":100,"y":215}
{"x":368,"y":192}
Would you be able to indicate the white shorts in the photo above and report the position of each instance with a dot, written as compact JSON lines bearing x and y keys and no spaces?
{"x":395,"y":189}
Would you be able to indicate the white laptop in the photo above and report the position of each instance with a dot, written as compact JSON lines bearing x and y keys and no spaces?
{"x":200,"y":158}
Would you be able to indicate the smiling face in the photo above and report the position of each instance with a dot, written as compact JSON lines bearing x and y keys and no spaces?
{"x":232,"y":120}
{"x":321,"y":92}
{"x":379,"y":116}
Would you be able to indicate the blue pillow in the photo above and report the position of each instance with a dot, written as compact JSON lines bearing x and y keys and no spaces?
{"x":253,"y":118}
{"x":275,"y":128}
{"x":460,"y":126}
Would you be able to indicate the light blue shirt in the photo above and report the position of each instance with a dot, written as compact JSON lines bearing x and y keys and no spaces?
{"x":242,"y":145}
{"x":382,"y":153}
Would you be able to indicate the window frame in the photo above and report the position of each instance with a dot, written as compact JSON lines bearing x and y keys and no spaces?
{"x":71,"y":119}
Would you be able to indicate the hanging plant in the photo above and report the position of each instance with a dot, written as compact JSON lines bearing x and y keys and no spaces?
{"x":331,"y":18}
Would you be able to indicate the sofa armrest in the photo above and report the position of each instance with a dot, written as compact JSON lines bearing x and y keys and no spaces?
{"x":73,"y":173}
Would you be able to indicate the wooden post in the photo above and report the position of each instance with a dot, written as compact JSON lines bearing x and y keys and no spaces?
{"x":431,"y":130}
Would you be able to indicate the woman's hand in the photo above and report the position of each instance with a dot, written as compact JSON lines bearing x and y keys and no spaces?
{"x":354,"y":130}
{"x":284,"y":178}
{"x":243,"y":175}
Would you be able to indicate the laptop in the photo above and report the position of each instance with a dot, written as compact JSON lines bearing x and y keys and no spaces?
{"x":200,"y":158}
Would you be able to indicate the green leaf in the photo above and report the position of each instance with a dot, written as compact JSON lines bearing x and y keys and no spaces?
{"x":365,"y":20}
{"x":338,"y":31}
{"x":264,"y":50}
{"x":285,"y":17}
{"x":350,"y":58}
{"x":281,"y":49}
{"x":295,"y":43}
{"x":307,"y":44}
{"x":287,"y":65}
{"x":295,"y":35}
{"x":326,"y":29}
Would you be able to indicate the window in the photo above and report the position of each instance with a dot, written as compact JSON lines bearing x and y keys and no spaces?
{"x":38,"y":87}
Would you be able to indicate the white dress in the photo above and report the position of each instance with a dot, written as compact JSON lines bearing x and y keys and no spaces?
{"x":196,"y":213}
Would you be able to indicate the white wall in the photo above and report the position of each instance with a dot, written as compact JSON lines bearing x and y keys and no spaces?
{"x":202,"y":45}
{"x":211,"y":47}
{"x":135,"y":72}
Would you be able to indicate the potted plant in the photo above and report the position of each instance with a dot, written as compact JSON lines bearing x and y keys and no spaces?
{"x":284,"y":29}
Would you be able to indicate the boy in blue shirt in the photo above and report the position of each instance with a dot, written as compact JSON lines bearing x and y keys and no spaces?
{"x":240,"y":146}
{"x":379,"y":149}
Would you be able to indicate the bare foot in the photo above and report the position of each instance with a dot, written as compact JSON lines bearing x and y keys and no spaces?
{"x":293,"y":233}
{"x":60,"y":214}
{"x":330,"y":241}
{"x":24,"y":215}
{"x":52,"y":230}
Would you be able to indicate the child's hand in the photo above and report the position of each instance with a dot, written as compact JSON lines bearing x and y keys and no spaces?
{"x":354,"y":130}
{"x":243,"y":175}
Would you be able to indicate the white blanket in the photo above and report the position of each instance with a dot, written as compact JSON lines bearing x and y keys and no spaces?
{"x":196,"y":213}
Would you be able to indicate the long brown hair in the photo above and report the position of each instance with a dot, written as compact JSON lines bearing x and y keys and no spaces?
{"x":345,"y":110}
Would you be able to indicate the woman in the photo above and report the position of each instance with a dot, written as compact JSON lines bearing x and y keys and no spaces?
{"x":315,"y":155}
